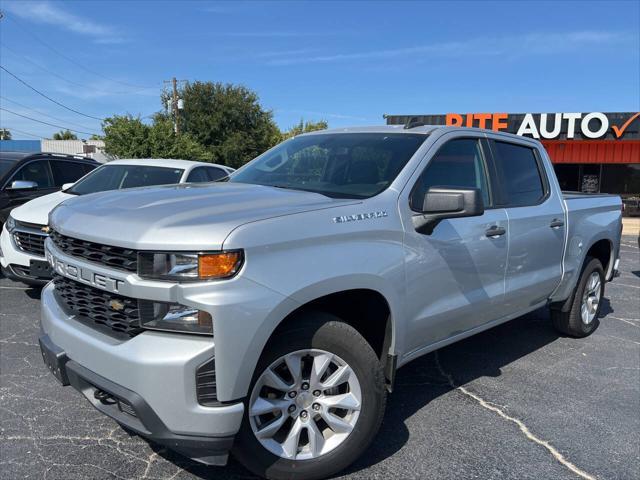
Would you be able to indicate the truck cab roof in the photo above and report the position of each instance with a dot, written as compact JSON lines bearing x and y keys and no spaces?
{"x":424,"y":129}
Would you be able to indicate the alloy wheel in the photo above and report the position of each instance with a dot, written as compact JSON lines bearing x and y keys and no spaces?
{"x":591,"y":298}
{"x":305,"y":404}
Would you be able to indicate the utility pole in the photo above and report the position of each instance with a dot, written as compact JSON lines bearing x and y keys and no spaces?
{"x":176,"y":103}
{"x":176,"y":125}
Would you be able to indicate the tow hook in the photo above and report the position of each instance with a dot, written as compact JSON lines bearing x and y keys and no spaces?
{"x":104,"y":397}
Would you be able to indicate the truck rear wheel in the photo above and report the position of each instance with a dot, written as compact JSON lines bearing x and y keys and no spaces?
{"x":315,"y":404}
{"x":582,"y":318}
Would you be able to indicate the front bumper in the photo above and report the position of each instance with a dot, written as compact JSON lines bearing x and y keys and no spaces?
{"x":16,"y":263}
{"x":154,"y":372}
{"x":19,"y":274}
{"x":131,"y":411}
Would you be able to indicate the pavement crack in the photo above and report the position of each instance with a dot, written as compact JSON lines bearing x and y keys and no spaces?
{"x":630,"y":321}
{"x":625,"y":340}
{"x":521,"y":425}
{"x":626,"y":285}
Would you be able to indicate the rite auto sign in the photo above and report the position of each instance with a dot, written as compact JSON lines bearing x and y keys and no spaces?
{"x":546,"y":126}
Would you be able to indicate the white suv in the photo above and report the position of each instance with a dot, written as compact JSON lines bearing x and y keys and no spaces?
{"x":24,"y":233}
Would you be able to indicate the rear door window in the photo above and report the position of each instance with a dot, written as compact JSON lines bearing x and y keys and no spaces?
{"x":198,"y":175}
{"x":520,"y":174}
{"x":215,"y":173}
{"x":65,"y":172}
{"x":88,"y":167}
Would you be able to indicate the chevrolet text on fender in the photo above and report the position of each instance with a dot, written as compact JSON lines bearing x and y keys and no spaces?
{"x":591,"y":125}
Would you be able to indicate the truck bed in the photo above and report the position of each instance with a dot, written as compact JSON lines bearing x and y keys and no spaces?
{"x":568,"y":195}
{"x":590,"y":217}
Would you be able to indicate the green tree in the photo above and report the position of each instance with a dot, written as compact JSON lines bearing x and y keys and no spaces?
{"x":5,"y":134}
{"x":228,"y":121}
{"x":126,"y":136}
{"x":164,"y":143}
{"x":65,"y":135}
{"x":219,"y":123}
{"x":303,"y":127}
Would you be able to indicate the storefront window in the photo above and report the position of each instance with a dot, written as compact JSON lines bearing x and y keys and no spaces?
{"x":568,"y":176}
{"x":621,"y":179}
{"x":590,"y":182}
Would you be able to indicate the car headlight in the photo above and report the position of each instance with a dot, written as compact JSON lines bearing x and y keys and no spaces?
{"x":189,"y":266}
{"x":11,"y":224}
{"x":174,"y":317}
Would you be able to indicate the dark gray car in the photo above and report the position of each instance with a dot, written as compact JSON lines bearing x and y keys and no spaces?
{"x":25,"y":176}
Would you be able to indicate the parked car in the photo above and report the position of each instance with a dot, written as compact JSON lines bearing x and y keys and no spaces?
{"x":22,"y":239}
{"x":631,"y":206}
{"x":25,"y":176}
{"x":269,"y":314}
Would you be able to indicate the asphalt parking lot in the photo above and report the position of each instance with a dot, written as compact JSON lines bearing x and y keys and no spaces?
{"x":516,"y":402}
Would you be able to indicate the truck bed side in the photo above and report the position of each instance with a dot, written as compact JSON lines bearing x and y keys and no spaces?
{"x":594,"y":227}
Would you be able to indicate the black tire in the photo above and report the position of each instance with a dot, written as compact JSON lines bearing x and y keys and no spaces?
{"x":326,"y":332}
{"x":570,"y":322}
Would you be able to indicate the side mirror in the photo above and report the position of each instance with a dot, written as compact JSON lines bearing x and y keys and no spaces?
{"x":22,"y":185}
{"x":441,"y":203}
{"x":67,"y":186}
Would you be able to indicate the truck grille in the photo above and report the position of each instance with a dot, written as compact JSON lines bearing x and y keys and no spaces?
{"x":30,"y":242}
{"x":106,"y":255}
{"x":96,"y":307}
{"x":29,"y":238}
{"x":206,"y":390}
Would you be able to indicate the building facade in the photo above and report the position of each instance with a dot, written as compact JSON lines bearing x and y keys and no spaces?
{"x":88,"y":148}
{"x":593,"y":152}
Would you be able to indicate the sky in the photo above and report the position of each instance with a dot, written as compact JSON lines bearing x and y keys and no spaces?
{"x":344,"y":62}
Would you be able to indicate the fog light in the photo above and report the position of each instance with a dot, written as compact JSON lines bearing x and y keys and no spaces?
{"x":174,"y":317}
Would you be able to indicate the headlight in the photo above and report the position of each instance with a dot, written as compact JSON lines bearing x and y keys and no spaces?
{"x":189,"y":266}
{"x":174,"y":317}
{"x":11,"y":224}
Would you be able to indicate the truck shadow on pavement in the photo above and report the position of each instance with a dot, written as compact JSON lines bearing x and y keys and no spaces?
{"x":424,"y":380}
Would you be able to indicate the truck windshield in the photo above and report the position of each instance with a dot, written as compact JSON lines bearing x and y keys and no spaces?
{"x":116,"y":177}
{"x":340,"y":165}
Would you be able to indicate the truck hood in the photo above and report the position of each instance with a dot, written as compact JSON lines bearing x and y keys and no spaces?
{"x":179,"y":217}
{"x":37,"y":210}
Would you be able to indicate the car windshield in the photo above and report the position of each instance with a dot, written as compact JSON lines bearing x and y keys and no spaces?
{"x":116,"y":177}
{"x":5,"y":166}
{"x":340,"y":165}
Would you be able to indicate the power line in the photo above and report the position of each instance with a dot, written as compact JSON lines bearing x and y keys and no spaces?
{"x":46,"y":123}
{"x":78,"y":64}
{"x":21,"y":131}
{"x":49,"y":98}
{"x":45,"y":114}
{"x":72,"y":82}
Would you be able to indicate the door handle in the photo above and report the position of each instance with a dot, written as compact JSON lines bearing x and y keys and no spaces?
{"x":556,"y":223}
{"x":495,"y":231}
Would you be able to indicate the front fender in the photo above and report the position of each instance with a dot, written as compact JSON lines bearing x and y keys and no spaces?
{"x":242,"y":330}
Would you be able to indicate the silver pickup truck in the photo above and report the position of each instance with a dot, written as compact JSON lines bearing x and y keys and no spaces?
{"x":267,"y":315}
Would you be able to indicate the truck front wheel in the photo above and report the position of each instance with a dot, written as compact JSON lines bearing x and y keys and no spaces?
{"x":582,"y":318}
{"x":316,"y":401}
